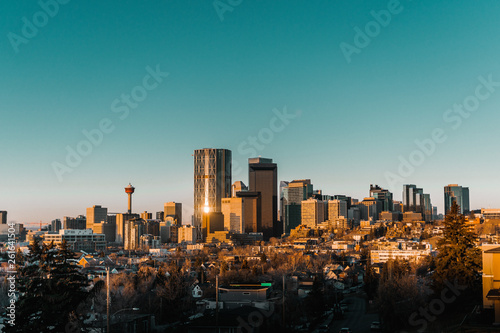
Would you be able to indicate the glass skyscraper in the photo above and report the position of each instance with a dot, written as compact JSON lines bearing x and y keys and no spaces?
{"x":454,"y":192}
{"x":212,"y":181}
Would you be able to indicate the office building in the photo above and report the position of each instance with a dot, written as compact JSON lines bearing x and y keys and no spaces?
{"x":238,"y":186}
{"x":152,"y":227}
{"x":107,"y":229}
{"x":413,"y":199}
{"x":370,"y":208}
{"x":251,"y":205}
{"x":233,"y":211}
{"x":292,"y":194}
{"x":490,"y":213}
{"x":383,"y":195}
{"x":427,"y":212}
{"x":212,"y":222}
{"x":121,"y":220}
{"x":79,"y":222}
{"x":354,"y":215}
{"x":56,"y":225}
{"x":397,"y":206}
{"x":133,"y":230}
{"x":160,"y":215}
{"x":312,"y":212}
{"x":77,"y":240}
{"x":187,"y":234}
{"x":212,"y":181}
{"x":146,"y":216}
{"x":173,"y":209}
{"x":336,"y":209}
{"x":263,"y":178}
{"x":3,"y":216}
{"x":96,"y":214}
{"x":458,"y":194}
{"x":293,"y":217}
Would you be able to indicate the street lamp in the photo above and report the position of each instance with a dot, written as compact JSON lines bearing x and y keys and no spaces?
{"x":109,"y":317}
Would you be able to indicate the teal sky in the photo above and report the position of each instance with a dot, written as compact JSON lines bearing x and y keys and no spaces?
{"x":225,"y":78}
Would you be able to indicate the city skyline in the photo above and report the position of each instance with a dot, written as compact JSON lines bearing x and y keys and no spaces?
{"x":278,"y":80}
{"x":202,"y":166}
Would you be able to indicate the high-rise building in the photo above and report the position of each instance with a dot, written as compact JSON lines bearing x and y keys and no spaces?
{"x":292,"y":194}
{"x":263,"y":178}
{"x":121,"y":221}
{"x":146,"y":216}
{"x":234,"y":214}
{"x":336,"y":209}
{"x":212,"y":181}
{"x":413,"y":199}
{"x":187,"y":234}
{"x":96,"y":214}
{"x":56,"y":225}
{"x":459,"y":194}
{"x":370,"y":208}
{"x":79,"y":222}
{"x":427,"y":215}
{"x":238,"y":186}
{"x":312,"y":212}
{"x":160,"y":215}
{"x":398,"y":206}
{"x":384,"y":195}
{"x":3,"y":216}
{"x":133,"y":230}
{"x":212,"y":222}
{"x":251,"y":210}
{"x":107,"y":229}
{"x":173,"y":209}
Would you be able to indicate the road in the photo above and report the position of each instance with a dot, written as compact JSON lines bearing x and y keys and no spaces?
{"x":355,"y":317}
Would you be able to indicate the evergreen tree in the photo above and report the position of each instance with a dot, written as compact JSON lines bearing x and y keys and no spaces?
{"x":458,"y":258}
{"x":50,"y":289}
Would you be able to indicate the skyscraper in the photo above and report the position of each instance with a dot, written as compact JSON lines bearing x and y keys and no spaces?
{"x":263,"y":178}
{"x":381,"y":194}
{"x":336,"y":209}
{"x":291,"y":197}
{"x":427,"y":214}
{"x":459,"y":194}
{"x":413,"y":199}
{"x":3,"y":217}
{"x":173,"y":209}
{"x":312,"y":212}
{"x":212,"y":181}
{"x":96,"y":214}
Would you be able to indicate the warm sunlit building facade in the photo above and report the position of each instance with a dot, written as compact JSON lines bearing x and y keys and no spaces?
{"x":212,"y":181}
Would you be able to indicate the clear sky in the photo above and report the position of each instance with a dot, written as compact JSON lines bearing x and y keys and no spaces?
{"x":360,"y":92}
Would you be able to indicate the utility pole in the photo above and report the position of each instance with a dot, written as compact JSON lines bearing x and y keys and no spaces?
{"x":284,"y":322}
{"x":217,"y":303}
{"x":107,"y":299}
